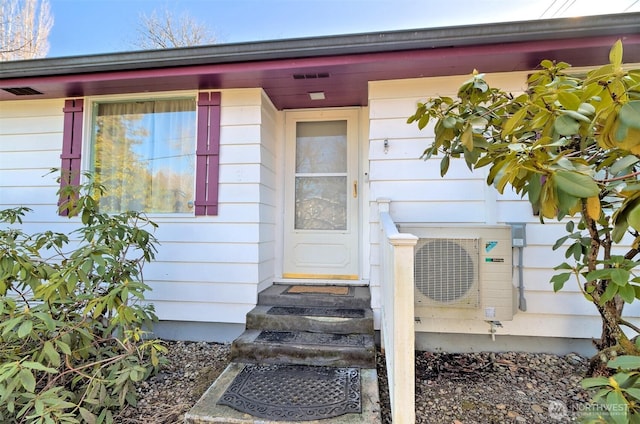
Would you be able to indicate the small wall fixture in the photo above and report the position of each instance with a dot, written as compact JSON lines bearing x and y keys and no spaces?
{"x":317,"y":95}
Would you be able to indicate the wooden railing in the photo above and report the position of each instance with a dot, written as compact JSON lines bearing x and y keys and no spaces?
{"x":397,"y":326}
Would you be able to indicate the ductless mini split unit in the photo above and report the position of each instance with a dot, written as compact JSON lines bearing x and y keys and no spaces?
{"x":463,"y":272}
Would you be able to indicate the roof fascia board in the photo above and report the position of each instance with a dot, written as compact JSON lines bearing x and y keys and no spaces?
{"x":309,"y":63}
{"x":458,"y":36}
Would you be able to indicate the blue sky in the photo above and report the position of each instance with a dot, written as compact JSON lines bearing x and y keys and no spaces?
{"x":102,"y":26}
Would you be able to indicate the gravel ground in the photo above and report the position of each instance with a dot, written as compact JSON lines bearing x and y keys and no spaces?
{"x":478,"y":388}
{"x":498,"y":388}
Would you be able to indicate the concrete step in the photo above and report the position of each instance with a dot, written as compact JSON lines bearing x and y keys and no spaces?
{"x":279,"y":295}
{"x":315,"y":320}
{"x":299,"y":336}
{"x":207,"y":410}
{"x":306,"y":348}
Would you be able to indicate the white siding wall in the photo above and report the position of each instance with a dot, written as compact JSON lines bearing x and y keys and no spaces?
{"x":268,"y":191}
{"x":30,"y":145}
{"x":208,"y":268}
{"x":418,"y":194}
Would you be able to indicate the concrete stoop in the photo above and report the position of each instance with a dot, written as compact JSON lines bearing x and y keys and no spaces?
{"x":326,"y":326}
{"x":207,"y":409}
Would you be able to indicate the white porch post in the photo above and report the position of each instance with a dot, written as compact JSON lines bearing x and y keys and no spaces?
{"x":400,"y":351}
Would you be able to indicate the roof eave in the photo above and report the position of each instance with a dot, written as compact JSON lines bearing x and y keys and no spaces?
{"x":458,"y":36}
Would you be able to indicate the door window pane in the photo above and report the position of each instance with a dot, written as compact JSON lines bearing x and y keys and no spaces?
{"x":321,"y":203}
{"x":321,"y":147}
{"x":321,"y":175}
{"x":143,"y":152}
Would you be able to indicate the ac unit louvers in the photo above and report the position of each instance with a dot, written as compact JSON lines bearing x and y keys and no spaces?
{"x":446,"y":272}
{"x":463,"y":272}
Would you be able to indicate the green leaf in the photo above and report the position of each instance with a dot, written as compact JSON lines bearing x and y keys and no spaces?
{"x":513,"y":122}
{"x":591,"y":382}
{"x":586,"y":109}
{"x":620,"y":276}
{"x":633,"y":217}
{"x":619,"y":230}
{"x":444,"y":165}
{"x":576,"y":184}
{"x":449,"y":122}
{"x":627,"y":293}
{"x":630,"y":114}
{"x":566,"y":125}
{"x":63,"y":347}
{"x":47,"y":319}
{"x":563,"y":265}
{"x":621,"y":132}
{"x":637,"y":290}
{"x":27,"y":380}
{"x":51,"y":353}
{"x":10,"y":324}
{"x":625,"y":362}
{"x":618,"y":406}
{"x":633,"y":392}
{"x":86,"y":216}
{"x":533,"y":188}
{"x":615,"y":54}
{"x":559,"y":280}
{"x":566,"y":202}
{"x":569,"y":100}
{"x":623,"y":163}
{"x":25,"y":329}
{"x":559,"y":243}
{"x":609,"y":293}
{"x":577,"y":116}
{"x":38,"y":367}
{"x":546,"y":63}
{"x":88,"y":416}
{"x":599,"y":274}
{"x":466,"y":138}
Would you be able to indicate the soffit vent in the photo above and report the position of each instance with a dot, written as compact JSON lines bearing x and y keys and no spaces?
{"x":311,"y":76}
{"x":22,"y":91}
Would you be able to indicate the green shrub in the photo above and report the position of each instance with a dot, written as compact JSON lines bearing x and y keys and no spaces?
{"x":618,"y":397}
{"x":72,"y":320}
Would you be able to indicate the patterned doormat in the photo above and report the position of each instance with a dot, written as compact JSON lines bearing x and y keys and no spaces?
{"x":305,"y":338}
{"x":332,"y":290}
{"x":316,"y":312}
{"x":294,"y":392}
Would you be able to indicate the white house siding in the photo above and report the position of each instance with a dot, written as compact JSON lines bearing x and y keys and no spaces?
{"x":30,"y":145}
{"x":419,"y":194}
{"x":208,"y":268}
{"x":270,"y":124}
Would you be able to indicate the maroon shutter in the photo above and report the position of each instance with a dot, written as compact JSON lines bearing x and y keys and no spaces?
{"x":71,"y":147}
{"x":208,"y":154}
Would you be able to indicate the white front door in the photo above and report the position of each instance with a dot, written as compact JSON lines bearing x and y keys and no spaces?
{"x":321,"y":189}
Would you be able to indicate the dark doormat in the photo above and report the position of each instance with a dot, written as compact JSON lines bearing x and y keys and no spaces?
{"x":303,"y":338}
{"x":294,"y":392}
{"x":316,"y":312}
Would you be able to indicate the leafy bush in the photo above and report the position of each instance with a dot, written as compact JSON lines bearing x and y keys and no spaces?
{"x":72,"y":323}
{"x":570,"y":144}
{"x":618,"y":397}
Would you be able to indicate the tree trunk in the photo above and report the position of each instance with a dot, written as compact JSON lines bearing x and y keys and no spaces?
{"x":613,"y":341}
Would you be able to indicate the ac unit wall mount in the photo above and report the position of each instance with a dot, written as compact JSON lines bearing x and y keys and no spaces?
{"x":463,"y":272}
